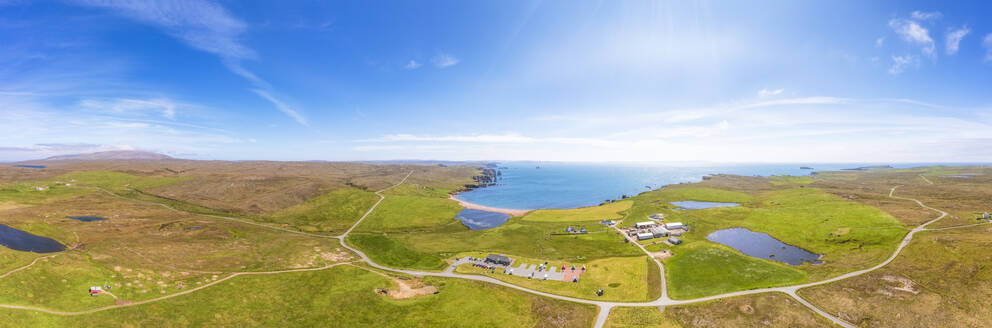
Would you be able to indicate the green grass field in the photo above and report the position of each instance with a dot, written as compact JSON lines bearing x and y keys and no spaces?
{"x":342,"y":296}
{"x":622,"y":278}
{"x":611,"y":211}
{"x":523,"y":238}
{"x":403,"y":213}
{"x":333,"y":212}
{"x":385,"y":251}
{"x":702,"y":270}
{"x":849,"y":235}
{"x":115,"y":181}
{"x":790,"y":180}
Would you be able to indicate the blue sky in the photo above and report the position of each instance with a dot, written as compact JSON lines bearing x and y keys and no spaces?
{"x":786,"y":81}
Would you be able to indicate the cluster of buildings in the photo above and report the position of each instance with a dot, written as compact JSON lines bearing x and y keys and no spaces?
{"x":657,"y":229}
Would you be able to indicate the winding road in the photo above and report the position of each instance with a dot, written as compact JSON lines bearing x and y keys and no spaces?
{"x":604,"y":306}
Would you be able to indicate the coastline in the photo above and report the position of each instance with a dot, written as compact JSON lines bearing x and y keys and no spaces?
{"x":507,"y":211}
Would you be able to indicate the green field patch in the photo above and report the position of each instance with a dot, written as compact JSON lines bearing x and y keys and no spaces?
{"x":640,"y":317}
{"x":13,"y":195}
{"x":524,"y":238}
{"x":399,"y":213}
{"x":409,"y":189}
{"x":342,"y":296}
{"x":621,"y":278}
{"x":112,"y":180}
{"x":659,"y":201}
{"x":703,"y":270}
{"x":790,"y":180}
{"x":386,"y":251}
{"x":610,"y":211}
{"x":335,"y":211}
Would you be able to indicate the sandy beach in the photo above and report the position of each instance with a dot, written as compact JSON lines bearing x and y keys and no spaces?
{"x":507,"y":211}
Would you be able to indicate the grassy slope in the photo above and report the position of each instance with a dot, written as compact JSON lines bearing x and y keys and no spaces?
{"x":385,"y":251}
{"x":341,"y":296}
{"x":622,"y":278}
{"x":333,"y":212}
{"x":609,"y":211}
{"x":403,"y":213}
{"x":702,"y":270}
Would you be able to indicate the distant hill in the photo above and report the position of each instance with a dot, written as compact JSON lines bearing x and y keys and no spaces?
{"x":111,"y":155}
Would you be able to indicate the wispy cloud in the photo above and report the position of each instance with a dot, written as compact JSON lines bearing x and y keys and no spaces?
{"x":165,"y":107}
{"x":769,"y":93}
{"x":987,"y":43}
{"x":202,"y":25}
{"x":912,"y":32}
{"x":879,"y":42}
{"x":281,"y":106}
{"x":413,"y":64}
{"x":899,"y":63}
{"x":924,"y":15}
{"x":443,"y":60}
{"x":954,"y":39}
{"x":811,"y":129}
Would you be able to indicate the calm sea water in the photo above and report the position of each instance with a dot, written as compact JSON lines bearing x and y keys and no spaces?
{"x":571,"y":185}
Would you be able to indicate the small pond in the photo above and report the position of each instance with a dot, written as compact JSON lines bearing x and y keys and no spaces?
{"x":86,"y":218}
{"x":478,"y":219}
{"x":694,"y":205}
{"x":761,"y":245}
{"x":22,"y":241}
{"x":31,"y":166}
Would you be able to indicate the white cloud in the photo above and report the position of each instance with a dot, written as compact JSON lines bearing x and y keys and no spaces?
{"x":819,"y":129}
{"x":954,"y":39}
{"x":899,"y":63}
{"x":165,"y":107}
{"x":413,"y":64}
{"x":769,"y":93}
{"x":879,"y":42}
{"x":988,"y":47}
{"x":203,"y":25}
{"x":443,"y":60}
{"x":923,"y":15}
{"x":281,"y":106}
{"x":913,"y":33}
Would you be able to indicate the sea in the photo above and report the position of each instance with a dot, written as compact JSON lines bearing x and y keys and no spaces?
{"x":539,"y":185}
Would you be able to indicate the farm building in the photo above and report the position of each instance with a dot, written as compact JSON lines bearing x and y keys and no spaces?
{"x":985,"y":215}
{"x":659,"y":231}
{"x":674,"y":241}
{"x":645,"y":224}
{"x":657,"y":216}
{"x":645,"y":235}
{"x":498,"y":259}
{"x":674,"y":225}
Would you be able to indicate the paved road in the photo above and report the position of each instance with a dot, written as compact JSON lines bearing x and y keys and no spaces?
{"x":604,"y":307}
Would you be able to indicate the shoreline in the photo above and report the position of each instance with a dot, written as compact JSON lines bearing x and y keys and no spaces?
{"x":474,"y":206}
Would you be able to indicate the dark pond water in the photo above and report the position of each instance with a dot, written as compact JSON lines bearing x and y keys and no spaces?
{"x":694,"y":205}
{"x":31,"y":166}
{"x":22,"y":241}
{"x":477,"y":219}
{"x":761,"y":245}
{"x":86,"y":218}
